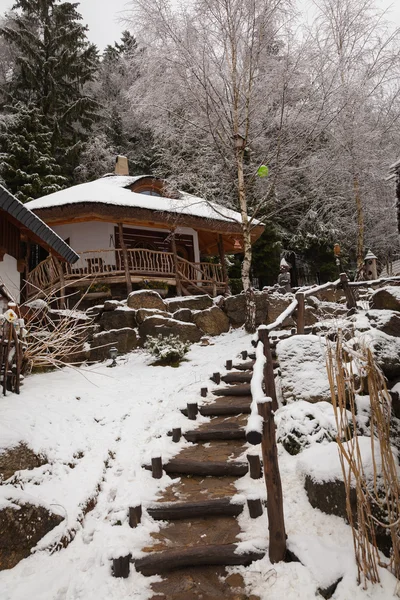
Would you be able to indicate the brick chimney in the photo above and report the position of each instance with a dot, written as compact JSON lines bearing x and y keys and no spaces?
{"x":121,"y":166}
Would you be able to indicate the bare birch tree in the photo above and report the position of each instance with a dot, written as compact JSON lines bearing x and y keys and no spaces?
{"x":224,"y":56}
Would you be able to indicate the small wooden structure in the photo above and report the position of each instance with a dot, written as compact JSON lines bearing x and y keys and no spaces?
{"x":129,"y":229}
{"x":19,"y":229}
{"x":370,"y":266}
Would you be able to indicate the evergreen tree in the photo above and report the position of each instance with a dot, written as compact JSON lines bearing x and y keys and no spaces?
{"x":54,"y":62}
{"x":27,"y":164}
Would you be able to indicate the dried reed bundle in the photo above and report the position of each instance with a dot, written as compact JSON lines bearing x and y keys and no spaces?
{"x":379,"y":494}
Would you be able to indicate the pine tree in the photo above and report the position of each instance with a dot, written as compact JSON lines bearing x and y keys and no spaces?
{"x":54,"y":62}
{"x":27,"y":164}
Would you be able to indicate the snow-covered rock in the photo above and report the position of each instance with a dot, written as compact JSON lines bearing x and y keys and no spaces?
{"x":118,"y":318}
{"x":154,"y":326}
{"x":145,"y":299}
{"x":212,"y":321}
{"x":301,"y":424}
{"x":193,"y":302}
{"x":386,"y":298}
{"x":303,"y":369}
{"x":387,"y":321}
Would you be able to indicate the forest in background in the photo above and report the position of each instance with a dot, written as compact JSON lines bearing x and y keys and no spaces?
{"x":317,"y":103}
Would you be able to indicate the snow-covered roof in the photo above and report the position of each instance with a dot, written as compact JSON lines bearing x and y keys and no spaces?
{"x":115,"y":190}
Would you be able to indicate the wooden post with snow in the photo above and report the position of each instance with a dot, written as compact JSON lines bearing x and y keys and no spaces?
{"x":301,"y":313}
{"x":350,"y":298}
{"x":276,"y":522}
{"x":176,"y":267}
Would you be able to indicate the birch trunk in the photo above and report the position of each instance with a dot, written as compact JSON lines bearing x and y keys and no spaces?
{"x":360,"y":222}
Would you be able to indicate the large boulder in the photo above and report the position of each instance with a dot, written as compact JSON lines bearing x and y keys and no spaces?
{"x":155,"y":326}
{"x":22,"y":525}
{"x":145,"y":299}
{"x":118,"y":318}
{"x":124,"y":340}
{"x":193,"y":302}
{"x":323,"y":480}
{"x":386,"y":350}
{"x":302,"y":360}
{"x":235,"y":308}
{"x":143,"y":313}
{"x":183,"y":314}
{"x":277,"y":303}
{"x":301,"y":424}
{"x":387,"y":321}
{"x":386,"y":298}
{"x":212,"y":321}
{"x":19,"y":458}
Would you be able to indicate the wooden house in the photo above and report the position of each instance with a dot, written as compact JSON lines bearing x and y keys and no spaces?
{"x":20,"y":230}
{"x":129,"y":229}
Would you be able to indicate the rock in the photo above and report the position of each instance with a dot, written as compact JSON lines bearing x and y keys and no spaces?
{"x":22,"y":525}
{"x":19,"y":458}
{"x":386,"y":350}
{"x":235,"y":307}
{"x":118,"y":318}
{"x":387,"y":321}
{"x":212,"y":321}
{"x":183,"y":314}
{"x":330,"y":496}
{"x":154,"y":326}
{"x":303,"y":369}
{"x":146,"y":299}
{"x":124,"y":339}
{"x":193,"y":302}
{"x":328,"y":592}
{"x":94,"y":311}
{"x":111,"y":305}
{"x":143,"y":313}
{"x":300,"y":424}
{"x":386,"y":298}
{"x":277,"y":303}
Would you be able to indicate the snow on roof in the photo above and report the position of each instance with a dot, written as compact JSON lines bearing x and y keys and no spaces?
{"x":114,"y":190}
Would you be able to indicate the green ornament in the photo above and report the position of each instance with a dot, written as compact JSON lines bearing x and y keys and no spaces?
{"x":263,"y":171}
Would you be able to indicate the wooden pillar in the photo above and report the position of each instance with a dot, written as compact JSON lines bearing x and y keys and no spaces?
{"x":301,"y":313}
{"x":276,"y":521}
{"x":176,"y":266}
{"x":126,"y":258}
{"x":221,"y":251}
{"x":350,"y":298}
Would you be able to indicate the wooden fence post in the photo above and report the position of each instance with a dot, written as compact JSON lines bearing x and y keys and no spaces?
{"x":350,"y":298}
{"x":276,"y":521}
{"x":269,"y":378}
{"x":301,"y":313}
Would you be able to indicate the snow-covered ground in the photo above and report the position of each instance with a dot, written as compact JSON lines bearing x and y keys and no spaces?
{"x":98,"y":426}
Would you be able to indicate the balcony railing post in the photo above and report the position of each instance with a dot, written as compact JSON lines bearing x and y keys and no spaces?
{"x":175,"y":257}
{"x":126,"y":258}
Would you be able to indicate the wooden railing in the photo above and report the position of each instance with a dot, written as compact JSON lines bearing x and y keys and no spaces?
{"x":105,"y":264}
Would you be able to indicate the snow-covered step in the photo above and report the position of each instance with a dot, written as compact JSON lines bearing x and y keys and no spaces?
{"x":234,"y":390}
{"x":181,"y":466}
{"x":222,"y":431}
{"x":171,"y":511}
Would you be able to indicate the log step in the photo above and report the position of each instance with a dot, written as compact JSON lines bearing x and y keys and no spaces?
{"x":223,"y":431}
{"x":237,"y":377}
{"x":247,"y":366}
{"x":217,"y":409}
{"x":172,"y":511}
{"x":169,"y":560}
{"x":234,"y":390}
{"x":180,"y":466}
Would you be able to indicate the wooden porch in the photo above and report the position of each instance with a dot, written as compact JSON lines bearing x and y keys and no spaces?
{"x":128,"y":266}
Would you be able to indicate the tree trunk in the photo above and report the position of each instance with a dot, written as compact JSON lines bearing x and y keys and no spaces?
{"x":360,"y":222}
{"x":250,"y":316}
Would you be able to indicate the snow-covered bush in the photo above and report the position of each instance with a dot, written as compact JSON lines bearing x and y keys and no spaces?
{"x":168,"y":350}
{"x":301,"y":424}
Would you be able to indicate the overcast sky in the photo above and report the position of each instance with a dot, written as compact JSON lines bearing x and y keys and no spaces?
{"x":104,"y":17}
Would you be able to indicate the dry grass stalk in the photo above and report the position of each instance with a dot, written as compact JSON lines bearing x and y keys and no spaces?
{"x":54,"y":337}
{"x":381,"y":494}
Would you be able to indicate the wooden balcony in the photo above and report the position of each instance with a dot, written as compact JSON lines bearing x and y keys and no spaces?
{"x":108,"y":267}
